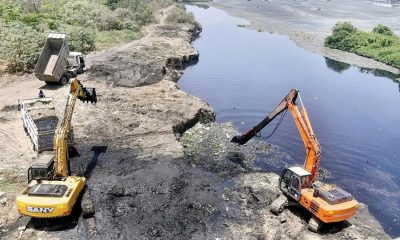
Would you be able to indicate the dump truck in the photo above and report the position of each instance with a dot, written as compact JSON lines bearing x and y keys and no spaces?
{"x":40,"y":122}
{"x":56,"y":64}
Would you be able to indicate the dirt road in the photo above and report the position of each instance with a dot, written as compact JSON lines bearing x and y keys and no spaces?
{"x":146,"y":180}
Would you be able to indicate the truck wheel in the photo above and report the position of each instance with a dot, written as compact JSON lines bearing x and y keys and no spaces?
{"x":64,"y":80}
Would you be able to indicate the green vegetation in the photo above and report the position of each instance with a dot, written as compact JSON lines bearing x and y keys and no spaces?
{"x":90,"y":25}
{"x":106,"y":39}
{"x":380,"y":44}
{"x":179,"y":15}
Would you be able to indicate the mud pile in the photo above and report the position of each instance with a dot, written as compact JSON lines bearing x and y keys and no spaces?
{"x":209,"y":146}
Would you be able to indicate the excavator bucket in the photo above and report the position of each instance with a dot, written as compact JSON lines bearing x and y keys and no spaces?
{"x":89,"y":96}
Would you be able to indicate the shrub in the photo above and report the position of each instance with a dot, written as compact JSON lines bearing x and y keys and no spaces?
{"x":112,"y":4}
{"x":20,"y":45}
{"x":179,"y":15}
{"x":144,"y":16}
{"x":344,"y":27}
{"x":9,"y":12}
{"x":81,"y":39}
{"x":382,"y":29}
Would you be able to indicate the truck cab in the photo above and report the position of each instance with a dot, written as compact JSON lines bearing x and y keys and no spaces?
{"x":76,"y":62}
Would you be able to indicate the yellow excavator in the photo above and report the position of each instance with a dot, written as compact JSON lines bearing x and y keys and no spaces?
{"x":299,"y":185}
{"x":52,"y":191}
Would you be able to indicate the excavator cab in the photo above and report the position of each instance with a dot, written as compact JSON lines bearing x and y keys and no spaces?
{"x":294,"y":179}
{"x":43,"y":169}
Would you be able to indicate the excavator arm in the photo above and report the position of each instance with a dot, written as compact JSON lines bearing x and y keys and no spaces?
{"x":311,"y":144}
{"x":61,"y":135}
{"x":290,"y":98}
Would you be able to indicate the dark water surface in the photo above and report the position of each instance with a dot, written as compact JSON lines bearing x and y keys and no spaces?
{"x":355,"y":112}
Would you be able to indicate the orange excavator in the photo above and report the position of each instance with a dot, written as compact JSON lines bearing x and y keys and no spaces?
{"x":299,"y":185}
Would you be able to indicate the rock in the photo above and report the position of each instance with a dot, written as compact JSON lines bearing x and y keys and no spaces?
{"x":282,"y":218}
{"x":117,"y":191}
{"x":2,"y":194}
{"x":22,"y":228}
{"x":3,"y":201}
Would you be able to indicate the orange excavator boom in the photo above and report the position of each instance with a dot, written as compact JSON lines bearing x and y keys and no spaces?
{"x":300,"y":116}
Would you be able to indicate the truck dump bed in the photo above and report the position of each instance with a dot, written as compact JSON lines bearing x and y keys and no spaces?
{"x":40,"y":121}
{"x":53,"y":61}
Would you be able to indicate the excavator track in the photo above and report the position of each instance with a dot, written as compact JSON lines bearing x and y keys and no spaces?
{"x":279,"y":204}
{"x":314,"y":224}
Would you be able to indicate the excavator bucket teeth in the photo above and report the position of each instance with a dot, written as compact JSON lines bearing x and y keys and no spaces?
{"x":90,"y":95}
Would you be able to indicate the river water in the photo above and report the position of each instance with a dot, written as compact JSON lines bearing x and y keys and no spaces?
{"x":243,"y":74}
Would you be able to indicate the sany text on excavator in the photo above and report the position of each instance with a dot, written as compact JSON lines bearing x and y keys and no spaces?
{"x":52,"y":191}
{"x":326,"y":203}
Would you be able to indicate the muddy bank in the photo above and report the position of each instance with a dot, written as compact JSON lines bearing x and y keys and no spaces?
{"x":250,"y":192}
{"x":309,"y":22}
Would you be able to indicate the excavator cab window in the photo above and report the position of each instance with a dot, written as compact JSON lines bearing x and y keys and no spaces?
{"x":290,"y":184}
{"x":41,"y":171}
{"x":285,"y":181}
{"x":295,"y":187}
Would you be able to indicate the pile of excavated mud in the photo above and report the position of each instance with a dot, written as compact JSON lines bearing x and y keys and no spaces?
{"x":44,"y":123}
{"x":209,"y":146}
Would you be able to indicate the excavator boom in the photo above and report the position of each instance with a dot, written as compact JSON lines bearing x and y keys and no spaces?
{"x":76,"y":90}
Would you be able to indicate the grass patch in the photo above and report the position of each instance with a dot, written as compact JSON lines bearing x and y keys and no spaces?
{"x":379,"y":44}
{"x":10,"y":181}
{"x":106,"y":39}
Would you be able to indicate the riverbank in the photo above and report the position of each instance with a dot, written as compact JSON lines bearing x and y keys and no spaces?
{"x":309,"y":23}
{"x":139,"y":114}
{"x":142,"y":181}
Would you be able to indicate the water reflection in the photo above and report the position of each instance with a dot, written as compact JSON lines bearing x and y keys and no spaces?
{"x":341,"y":66}
{"x":336,"y":65}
